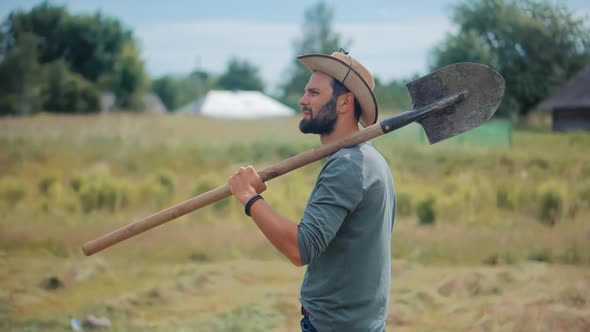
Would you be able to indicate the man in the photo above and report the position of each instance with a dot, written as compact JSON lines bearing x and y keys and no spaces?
{"x":344,"y":235}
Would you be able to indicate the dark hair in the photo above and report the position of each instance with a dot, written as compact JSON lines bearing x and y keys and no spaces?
{"x":339,"y":89}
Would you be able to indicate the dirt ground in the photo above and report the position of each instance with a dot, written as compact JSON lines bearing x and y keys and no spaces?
{"x":43,"y":293}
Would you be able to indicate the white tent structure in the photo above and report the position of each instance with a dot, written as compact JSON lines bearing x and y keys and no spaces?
{"x":236,"y":105}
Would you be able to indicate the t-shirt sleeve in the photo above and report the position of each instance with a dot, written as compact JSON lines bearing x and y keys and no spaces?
{"x":338,"y":191}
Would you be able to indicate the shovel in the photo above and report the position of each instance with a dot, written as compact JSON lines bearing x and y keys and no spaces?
{"x":447,"y":102}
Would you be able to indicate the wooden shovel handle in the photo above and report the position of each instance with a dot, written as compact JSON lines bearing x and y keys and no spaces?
{"x":156,"y":219}
{"x":222,"y":192}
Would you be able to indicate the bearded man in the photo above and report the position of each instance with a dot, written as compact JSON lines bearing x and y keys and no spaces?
{"x":344,"y":235}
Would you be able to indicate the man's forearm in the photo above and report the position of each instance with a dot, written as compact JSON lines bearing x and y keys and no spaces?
{"x":281,"y":232}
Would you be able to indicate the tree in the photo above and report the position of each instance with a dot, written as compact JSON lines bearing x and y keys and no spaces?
{"x":393,"y":95}
{"x":91,"y":53}
{"x":20,"y":90}
{"x":127,"y":78}
{"x":240,"y":75}
{"x":167,"y":88}
{"x":535,"y":45}
{"x":68,"y":90}
{"x":177,"y":91}
{"x":318,"y":37}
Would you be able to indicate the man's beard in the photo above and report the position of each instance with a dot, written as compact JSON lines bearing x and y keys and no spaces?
{"x":324,"y":123}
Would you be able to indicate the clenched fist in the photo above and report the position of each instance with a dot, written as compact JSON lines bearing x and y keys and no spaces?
{"x":246,"y":183}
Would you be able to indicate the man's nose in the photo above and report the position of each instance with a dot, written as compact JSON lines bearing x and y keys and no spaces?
{"x":304,"y":100}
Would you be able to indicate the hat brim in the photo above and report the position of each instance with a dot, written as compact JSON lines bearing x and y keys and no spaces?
{"x":354,"y":82}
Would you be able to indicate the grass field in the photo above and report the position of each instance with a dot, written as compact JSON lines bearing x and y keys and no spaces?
{"x":485,"y":238}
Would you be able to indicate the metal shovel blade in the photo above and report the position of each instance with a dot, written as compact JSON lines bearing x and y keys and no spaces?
{"x":485,"y":89}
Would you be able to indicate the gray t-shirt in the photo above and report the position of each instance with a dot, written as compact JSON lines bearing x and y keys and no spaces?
{"x":345,"y":239}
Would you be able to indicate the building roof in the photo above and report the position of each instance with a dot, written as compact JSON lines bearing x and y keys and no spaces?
{"x":237,"y":105}
{"x":573,"y":94}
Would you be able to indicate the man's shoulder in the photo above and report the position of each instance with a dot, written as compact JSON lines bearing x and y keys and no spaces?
{"x":358,"y":154}
{"x":346,"y":157}
{"x":355,"y":151}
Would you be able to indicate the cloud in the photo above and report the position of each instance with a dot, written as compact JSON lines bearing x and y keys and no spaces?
{"x":391,"y":50}
{"x":181,"y":47}
{"x":396,"y":50}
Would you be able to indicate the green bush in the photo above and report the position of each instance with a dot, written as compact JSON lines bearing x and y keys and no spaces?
{"x":153,"y":192}
{"x":199,"y":256}
{"x":99,"y":191}
{"x":541,"y":255}
{"x":12,"y":191}
{"x":426,"y":212}
{"x":158,"y":188}
{"x":552,"y":200}
{"x":47,"y":185}
{"x":498,"y":259}
{"x":76,"y":183}
{"x":167,"y":180}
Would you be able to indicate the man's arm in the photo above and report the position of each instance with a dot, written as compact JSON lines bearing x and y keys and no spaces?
{"x":281,"y":232}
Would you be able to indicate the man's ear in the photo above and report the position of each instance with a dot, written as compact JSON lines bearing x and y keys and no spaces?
{"x":346,"y":102}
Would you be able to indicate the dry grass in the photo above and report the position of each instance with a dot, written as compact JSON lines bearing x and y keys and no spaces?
{"x":487,"y":264}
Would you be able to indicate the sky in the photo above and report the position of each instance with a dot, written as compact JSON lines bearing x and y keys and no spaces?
{"x":392,"y":38}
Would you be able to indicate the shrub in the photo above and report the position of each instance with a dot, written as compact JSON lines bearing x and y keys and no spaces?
{"x":167,"y":180}
{"x":426,"y":212}
{"x":12,"y":191}
{"x":99,"y":191}
{"x":199,"y":256}
{"x":151,"y":190}
{"x":159,"y":187}
{"x":541,"y":255}
{"x":76,"y":183}
{"x":98,"y":194}
{"x":47,"y":185}
{"x":550,"y":208}
{"x":552,"y":199}
{"x":498,"y":259}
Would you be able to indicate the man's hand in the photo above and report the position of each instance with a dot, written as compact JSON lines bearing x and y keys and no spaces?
{"x":246,"y":183}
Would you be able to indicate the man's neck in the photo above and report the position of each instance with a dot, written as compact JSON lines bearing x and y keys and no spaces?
{"x":340,"y":131}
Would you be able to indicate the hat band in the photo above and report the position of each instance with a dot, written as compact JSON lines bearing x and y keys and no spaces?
{"x":349,"y":67}
{"x":345,"y":76}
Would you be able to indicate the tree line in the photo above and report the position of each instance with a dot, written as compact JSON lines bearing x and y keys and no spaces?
{"x":54,"y":61}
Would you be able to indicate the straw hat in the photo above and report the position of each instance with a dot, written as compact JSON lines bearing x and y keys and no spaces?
{"x":352,"y":74}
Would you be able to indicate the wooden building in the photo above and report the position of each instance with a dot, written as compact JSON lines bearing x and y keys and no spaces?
{"x":570,"y":104}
